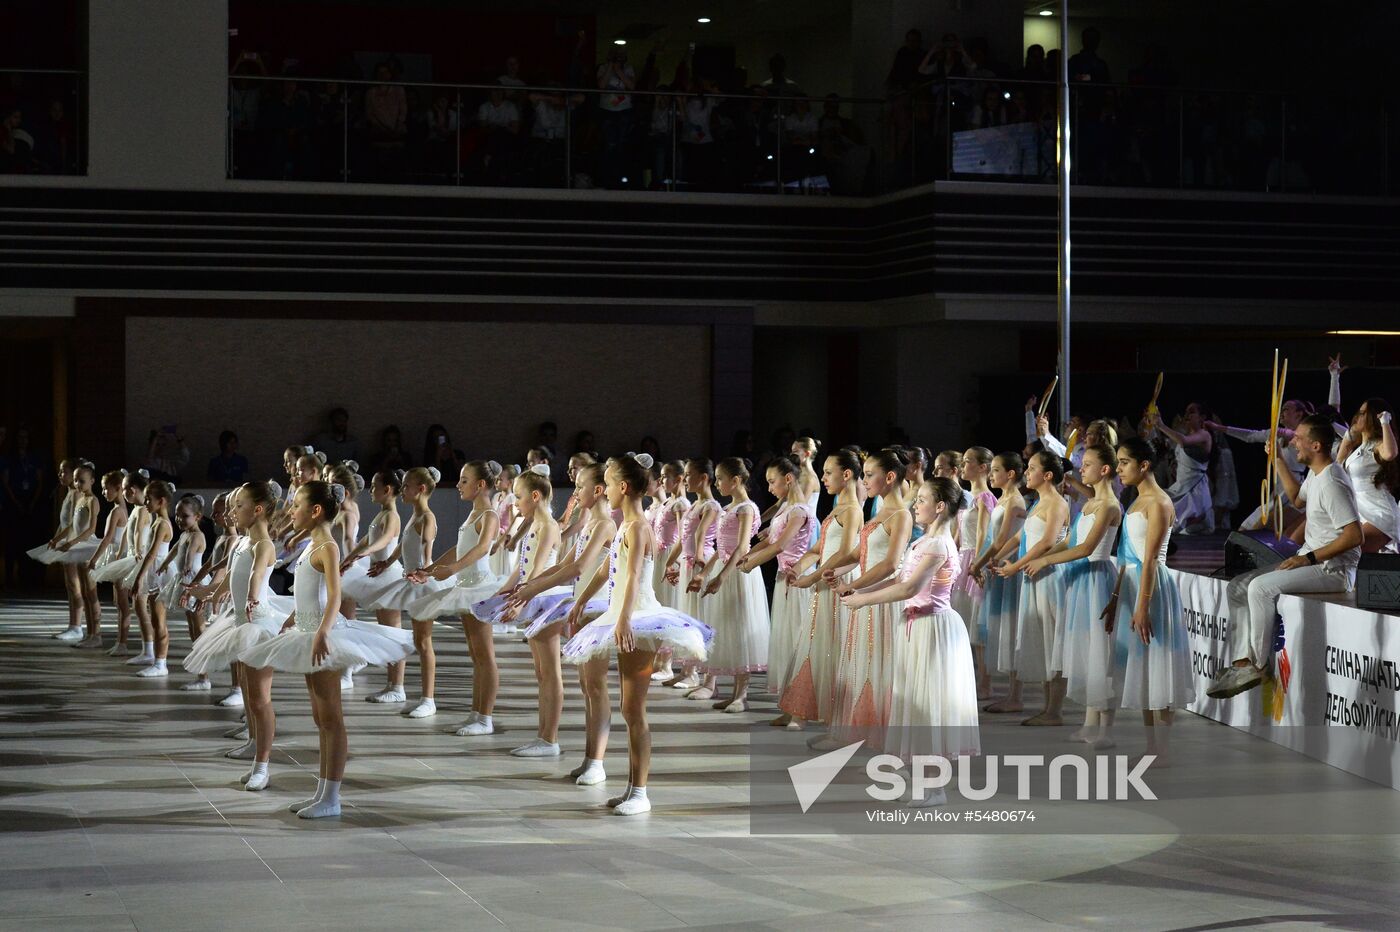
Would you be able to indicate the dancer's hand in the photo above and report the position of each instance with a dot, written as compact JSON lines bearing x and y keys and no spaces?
{"x":694,"y":584}
{"x":713,"y":586}
{"x":511,"y":613}
{"x":1334,"y":364}
{"x":376,"y":568}
{"x":1005,"y":571}
{"x":853,"y":600}
{"x":250,"y":607}
{"x":1142,"y":624}
{"x":1109,"y":615}
{"x":1034,"y":567}
{"x":289,"y":624}
{"x":574,"y":620}
{"x":320,"y":650}
{"x":439,"y":573}
{"x":622,"y":634}
{"x":673,"y":575}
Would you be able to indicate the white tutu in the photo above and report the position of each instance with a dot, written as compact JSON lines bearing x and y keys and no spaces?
{"x":366,"y":589}
{"x":738,"y":613}
{"x":351,"y":643}
{"x":934,"y":704}
{"x":403,"y":593}
{"x":653,"y":628}
{"x":227,"y":638}
{"x":44,"y":554}
{"x":666,"y":593}
{"x":80,"y":552}
{"x":502,"y":562}
{"x":116,"y":570}
{"x":1038,"y":639}
{"x":790,"y":616}
{"x":172,"y":591}
{"x":1087,"y":658}
{"x":455,"y":599}
{"x":596,"y":607}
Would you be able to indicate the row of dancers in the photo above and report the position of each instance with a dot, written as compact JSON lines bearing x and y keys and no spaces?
{"x":885,"y":620}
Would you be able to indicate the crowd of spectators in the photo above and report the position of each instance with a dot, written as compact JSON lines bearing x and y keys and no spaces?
{"x":38,"y":135}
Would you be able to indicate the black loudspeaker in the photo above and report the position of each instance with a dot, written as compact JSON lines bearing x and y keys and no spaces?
{"x":1254,"y":550}
{"x":1378,"y":582}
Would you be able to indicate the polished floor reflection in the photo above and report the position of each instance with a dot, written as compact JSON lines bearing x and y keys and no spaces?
{"x":119,"y":812}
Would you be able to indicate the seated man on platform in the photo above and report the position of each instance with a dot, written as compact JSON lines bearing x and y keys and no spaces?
{"x":1326,"y":563}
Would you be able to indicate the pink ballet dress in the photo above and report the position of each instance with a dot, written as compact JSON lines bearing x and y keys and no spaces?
{"x":791,"y":610}
{"x":738,"y":611}
{"x":694,"y":552}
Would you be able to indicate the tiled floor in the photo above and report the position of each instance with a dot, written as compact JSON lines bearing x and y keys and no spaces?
{"x":119,"y":812}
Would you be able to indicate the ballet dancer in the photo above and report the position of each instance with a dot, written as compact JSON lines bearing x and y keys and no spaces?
{"x":1001,"y":595}
{"x":120,"y":566}
{"x":372,"y":567}
{"x":318,"y":642}
{"x":1157,"y":675}
{"x":788,"y":534}
{"x":571,"y":520}
{"x":667,"y":511}
{"x":974,"y":525}
{"x":545,"y":601}
{"x":48,"y":552}
{"x":144,"y":522}
{"x":1371,"y":458}
{"x":699,"y":530}
{"x":502,"y":555}
{"x":170,"y":572}
{"x":346,"y":527}
{"x":75,"y":552}
{"x":1190,"y":493}
{"x":864,"y":674}
{"x":736,"y":602}
{"x":808,"y":696}
{"x":466,"y":567}
{"x":149,"y":578}
{"x":1039,"y":635}
{"x":415,"y":552}
{"x":635,"y":626}
{"x":933,"y":705}
{"x":1090,"y":577}
{"x":111,"y":550}
{"x":255,"y":614}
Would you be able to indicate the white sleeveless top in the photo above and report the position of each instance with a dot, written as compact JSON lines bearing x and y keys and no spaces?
{"x":375,"y":526}
{"x":80,"y":520}
{"x":529,"y":553}
{"x":587,"y":572}
{"x":1082,"y":528}
{"x":468,"y":536}
{"x":411,"y":556}
{"x":1035,"y":530}
{"x":1135,"y":526}
{"x":240,"y":579}
{"x":310,"y":592}
{"x":877,"y":546}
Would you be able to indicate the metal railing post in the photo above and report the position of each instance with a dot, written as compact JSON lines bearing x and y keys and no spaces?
{"x":1282,"y":146}
{"x":457,"y":175}
{"x":344,"y":135}
{"x":568,"y":143}
{"x":673,"y":175}
{"x":779,"y":161}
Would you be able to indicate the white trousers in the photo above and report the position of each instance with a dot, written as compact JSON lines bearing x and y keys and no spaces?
{"x":1253,"y":598}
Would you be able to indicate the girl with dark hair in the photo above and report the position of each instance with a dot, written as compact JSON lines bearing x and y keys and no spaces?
{"x":1371,"y":458}
{"x":1194,"y":447}
{"x":996,"y":621}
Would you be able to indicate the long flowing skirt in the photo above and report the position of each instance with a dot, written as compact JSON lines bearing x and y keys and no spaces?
{"x":933,"y":708}
{"x":1195,"y":512}
{"x":967,"y":599}
{"x":1156,"y":675}
{"x":1088,"y":654}
{"x":790,"y":616}
{"x":352,"y":644}
{"x":1038,"y":639}
{"x":738,"y":613}
{"x":809,"y":694}
{"x":1000,"y":607}
{"x":865,"y":675}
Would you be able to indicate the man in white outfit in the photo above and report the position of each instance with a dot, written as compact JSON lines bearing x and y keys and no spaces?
{"x":1326,"y":563}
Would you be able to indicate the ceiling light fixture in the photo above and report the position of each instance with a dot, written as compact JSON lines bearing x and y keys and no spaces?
{"x":619,"y":42}
{"x":1364,"y":333}
{"x":1047,"y":12}
{"x":703,"y":19}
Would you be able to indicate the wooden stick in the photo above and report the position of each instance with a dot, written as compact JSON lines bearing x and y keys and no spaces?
{"x":1049,"y":392}
{"x":1271,"y":444}
{"x":1156,"y":393}
{"x":1070,"y":441}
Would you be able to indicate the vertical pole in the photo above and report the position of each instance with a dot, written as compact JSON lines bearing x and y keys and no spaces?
{"x":457,"y":175}
{"x":1063,"y":266}
{"x":673,"y":176}
{"x":1181,"y":139}
{"x":1282,"y":145}
{"x":568,"y":141}
{"x":344,"y":133}
{"x":781,"y":189}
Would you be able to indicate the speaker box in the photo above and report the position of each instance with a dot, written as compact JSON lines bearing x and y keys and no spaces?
{"x":1378,"y":582}
{"x":1254,"y":550}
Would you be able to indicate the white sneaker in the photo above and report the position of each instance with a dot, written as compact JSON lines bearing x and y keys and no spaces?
{"x":347,"y":681}
{"x":537,"y":748}
{"x":472,"y":729}
{"x":423,"y":709}
{"x":92,"y":642}
{"x":197,"y":686}
{"x":72,"y":634}
{"x":234,"y":699}
{"x":592,"y":775}
{"x":1235,"y":681}
{"x":141,"y":660}
{"x":154,"y":670}
{"x":120,"y":650}
{"x":238,"y":734}
{"x":636,"y":805}
{"x":388,"y":695}
{"x":257,"y":781}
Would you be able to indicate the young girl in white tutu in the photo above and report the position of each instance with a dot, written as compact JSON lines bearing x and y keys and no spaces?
{"x":371,"y":567}
{"x":503,"y":500}
{"x":1156,"y":673}
{"x":735,"y":601}
{"x":76,"y":549}
{"x":1001,"y":596}
{"x":179,"y":571}
{"x":536,"y":553}
{"x":255,"y":614}
{"x":48,"y":552}
{"x":415,"y":552}
{"x":318,"y":642}
{"x":1090,"y":576}
{"x":635,"y":626}
{"x":933,"y":709}
{"x":544,"y":602}
{"x":148,"y":578}
{"x":788,"y":534}
{"x":306,"y":468}
{"x":139,"y":523}
{"x":699,"y":529}
{"x":112,"y":548}
{"x":571,"y":521}
{"x":668,"y":507}
{"x":465,"y":568}
{"x":864,"y":673}
{"x":346,"y":529}
{"x":1038,"y":636}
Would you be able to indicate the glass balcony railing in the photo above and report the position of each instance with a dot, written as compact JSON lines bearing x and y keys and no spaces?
{"x":308,"y":129}
{"x":43,"y":129}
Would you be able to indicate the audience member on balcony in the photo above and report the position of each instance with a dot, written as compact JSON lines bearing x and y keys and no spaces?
{"x":1034,"y":67}
{"x":386,"y":120}
{"x":230,"y":467}
{"x":801,"y":133}
{"x":756,"y":139}
{"x":442,"y":135}
{"x":983,"y":65}
{"x":904,"y":72}
{"x":391,"y":454}
{"x":1086,"y":65}
{"x":990,"y":110}
{"x":166,"y":454}
{"x":699,"y":167}
{"x":947,"y":60}
{"x":665,"y":120}
{"x":244,"y":97}
{"x":615,"y":78}
{"x":511,"y":78}
{"x":438,"y":451}
{"x":328,"y":111}
{"x":284,"y":129}
{"x":498,"y":120}
{"x":53,"y":141}
{"x":778,"y":84}
{"x":338,"y":443}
